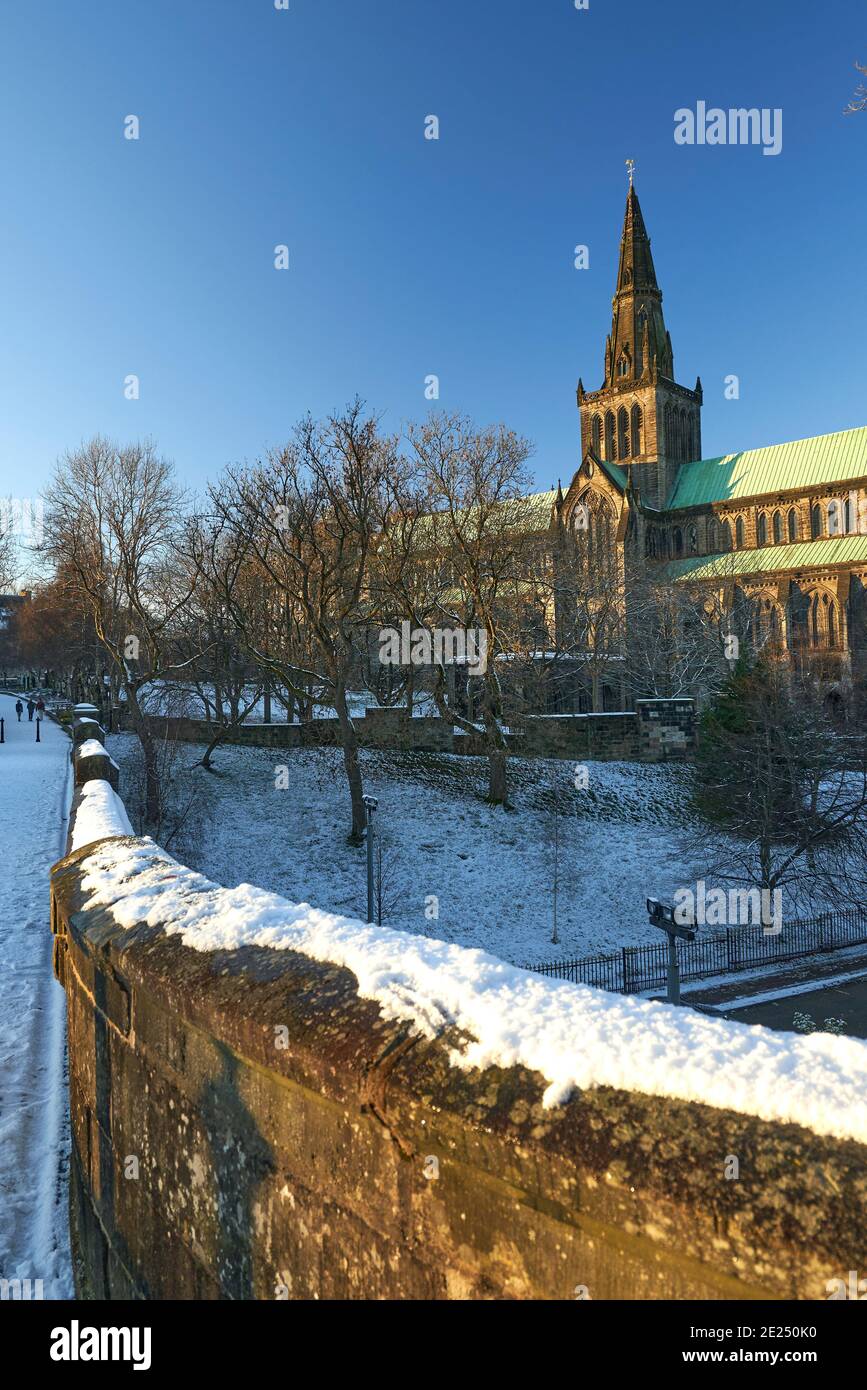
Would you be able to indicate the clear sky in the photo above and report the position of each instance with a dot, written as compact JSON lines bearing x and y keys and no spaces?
{"x":411,"y":257}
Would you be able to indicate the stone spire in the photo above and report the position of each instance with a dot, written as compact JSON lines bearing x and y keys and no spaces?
{"x":638,"y":347}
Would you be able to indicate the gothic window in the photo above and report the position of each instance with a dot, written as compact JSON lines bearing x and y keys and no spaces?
{"x":623,"y":364}
{"x":739,"y":533}
{"x":815,"y":521}
{"x":636,"y":430}
{"x":678,"y":541}
{"x":693,"y":540}
{"x":814,"y":619}
{"x":848,"y":515}
{"x":593,"y":524}
{"x":832,"y":624}
{"x":793,"y":524}
{"x":778,"y":528}
{"x":669,"y":440}
{"x":712,"y":541}
{"x":609,"y":436}
{"x":596,"y":435}
{"x":726,"y":536}
{"x":622,"y":433}
{"x":835,"y":518}
{"x":762,"y":530}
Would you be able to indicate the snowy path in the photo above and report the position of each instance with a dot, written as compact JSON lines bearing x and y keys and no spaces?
{"x":34,"y":1143}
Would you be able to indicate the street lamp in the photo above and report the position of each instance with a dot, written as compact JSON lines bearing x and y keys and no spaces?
{"x":371,"y":804}
{"x":662,"y":916}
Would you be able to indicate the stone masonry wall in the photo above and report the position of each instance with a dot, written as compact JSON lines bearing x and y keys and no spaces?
{"x":657,"y":730}
{"x":355,"y":1162}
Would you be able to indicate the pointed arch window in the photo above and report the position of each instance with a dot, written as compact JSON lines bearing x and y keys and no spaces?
{"x":596,"y":435}
{"x":778,"y":528}
{"x":739,"y":533}
{"x":815,"y":521}
{"x":609,"y":436}
{"x":848,"y":515}
{"x":793,"y":524}
{"x":762,"y":530}
{"x":637,"y":423}
{"x":726,"y":536}
{"x":678,"y":541}
{"x":623,"y":433}
{"x":835,"y":517}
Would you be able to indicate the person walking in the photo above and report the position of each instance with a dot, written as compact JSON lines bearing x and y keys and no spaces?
{"x":40,"y":707}
{"x":30,"y":708}
{"x":19,"y":709}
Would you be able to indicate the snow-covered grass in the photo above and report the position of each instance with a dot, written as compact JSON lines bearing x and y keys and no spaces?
{"x":574,"y":1036}
{"x":456,"y":868}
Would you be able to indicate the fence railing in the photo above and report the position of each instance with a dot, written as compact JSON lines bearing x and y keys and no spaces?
{"x":636,"y":968}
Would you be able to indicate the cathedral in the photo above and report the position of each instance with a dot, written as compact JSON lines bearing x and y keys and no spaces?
{"x":772,"y":540}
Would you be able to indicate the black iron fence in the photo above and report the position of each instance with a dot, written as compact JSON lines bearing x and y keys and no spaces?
{"x":636,"y":968}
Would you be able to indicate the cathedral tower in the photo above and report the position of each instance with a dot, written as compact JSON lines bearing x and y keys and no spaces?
{"x":640,"y":417}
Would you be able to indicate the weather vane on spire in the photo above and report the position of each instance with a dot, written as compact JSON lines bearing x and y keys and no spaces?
{"x":630,"y":164}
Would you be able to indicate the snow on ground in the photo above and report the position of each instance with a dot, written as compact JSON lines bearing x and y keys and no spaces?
{"x":573,"y":1035}
{"x":34,"y":1138}
{"x":628,"y":835}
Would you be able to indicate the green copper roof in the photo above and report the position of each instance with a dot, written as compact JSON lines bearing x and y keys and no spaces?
{"x":615,"y":473}
{"x":832,"y":550}
{"x":827,"y":458}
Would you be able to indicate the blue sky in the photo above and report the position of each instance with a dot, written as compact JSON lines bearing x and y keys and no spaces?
{"x":411,"y":257}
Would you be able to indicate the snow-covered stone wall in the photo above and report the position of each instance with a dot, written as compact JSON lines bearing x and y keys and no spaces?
{"x":655,"y":731}
{"x":271,"y":1101}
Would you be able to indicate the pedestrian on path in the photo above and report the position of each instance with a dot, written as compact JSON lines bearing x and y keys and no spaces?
{"x":30,"y":708}
{"x":19,"y":709}
{"x":40,"y":707}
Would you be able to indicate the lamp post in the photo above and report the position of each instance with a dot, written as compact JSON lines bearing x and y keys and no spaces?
{"x":662,"y":916}
{"x":371,"y":804}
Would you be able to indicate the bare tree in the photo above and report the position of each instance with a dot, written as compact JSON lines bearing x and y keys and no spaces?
{"x":222,"y":578}
{"x":113,"y":517}
{"x":787,"y":789}
{"x":456,"y":560}
{"x":8,"y":552}
{"x":310,"y":514}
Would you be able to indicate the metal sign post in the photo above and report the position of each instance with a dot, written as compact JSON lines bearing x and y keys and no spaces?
{"x":371,"y":803}
{"x":662,"y":916}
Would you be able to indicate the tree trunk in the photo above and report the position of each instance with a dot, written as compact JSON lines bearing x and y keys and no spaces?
{"x":597,"y":704}
{"x":209,"y":751}
{"x":349,"y":740}
{"x":498,"y":786}
{"x":141,"y":725}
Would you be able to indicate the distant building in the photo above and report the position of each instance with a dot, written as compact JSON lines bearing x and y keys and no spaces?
{"x":776,"y":535}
